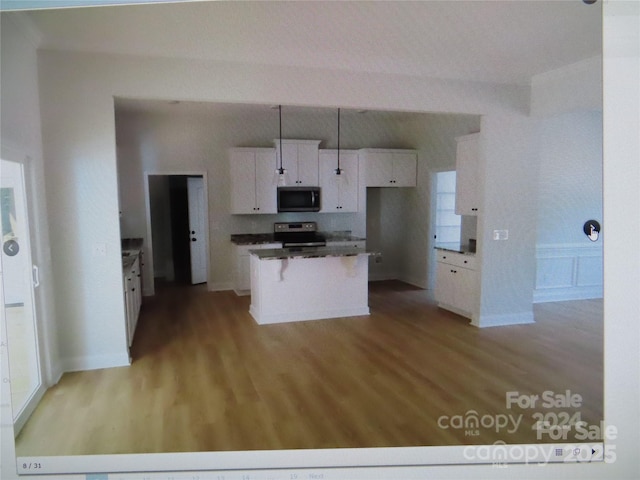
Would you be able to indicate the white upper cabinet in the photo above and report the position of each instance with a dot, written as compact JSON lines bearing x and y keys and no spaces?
{"x":390,"y":168}
{"x":339,"y":193}
{"x":467,"y":160}
{"x":252,"y":188}
{"x":300,"y":160}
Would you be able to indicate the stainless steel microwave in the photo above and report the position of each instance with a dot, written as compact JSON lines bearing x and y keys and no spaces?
{"x":298,"y":199}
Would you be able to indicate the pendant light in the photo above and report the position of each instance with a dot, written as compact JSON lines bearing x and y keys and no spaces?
{"x":280,"y":176}
{"x":341,"y":176}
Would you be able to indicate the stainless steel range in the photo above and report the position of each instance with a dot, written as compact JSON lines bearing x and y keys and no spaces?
{"x":298,"y":235}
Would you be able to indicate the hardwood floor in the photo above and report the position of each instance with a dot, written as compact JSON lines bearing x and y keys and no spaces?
{"x":206,"y":377}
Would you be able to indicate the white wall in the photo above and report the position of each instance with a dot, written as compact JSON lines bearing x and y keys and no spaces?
{"x":508,"y":164}
{"x":570,"y":176}
{"x":568,"y":265}
{"x":20,"y":131}
{"x":571,"y":88}
{"x":78,"y":134}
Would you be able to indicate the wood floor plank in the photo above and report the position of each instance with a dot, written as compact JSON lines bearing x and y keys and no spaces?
{"x":206,"y":377}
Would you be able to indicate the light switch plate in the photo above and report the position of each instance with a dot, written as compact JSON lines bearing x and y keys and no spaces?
{"x":501,"y":234}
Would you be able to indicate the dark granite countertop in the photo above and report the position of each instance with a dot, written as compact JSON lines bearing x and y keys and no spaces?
{"x":127,"y":262}
{"x":252,"y":238}
{"x":309,"y":252}
{"x":455,"y":247}
{"x":131,"y":248}
{"x":262,"y":238}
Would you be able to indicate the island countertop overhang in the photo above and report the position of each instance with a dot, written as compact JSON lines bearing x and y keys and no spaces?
{"x":311,"y":252}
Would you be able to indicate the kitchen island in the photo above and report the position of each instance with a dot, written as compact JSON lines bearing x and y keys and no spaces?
{"x":297,"y":284}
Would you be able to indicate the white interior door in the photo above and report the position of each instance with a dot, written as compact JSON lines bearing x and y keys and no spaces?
{"x":19,"y":277}
{"x":197,"y":229}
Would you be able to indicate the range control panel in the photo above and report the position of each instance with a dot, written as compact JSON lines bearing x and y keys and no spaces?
{"x":294,"y":227}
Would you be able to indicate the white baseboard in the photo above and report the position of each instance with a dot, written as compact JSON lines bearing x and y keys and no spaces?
{"x":219,"y":286}
{"x":455,"y":310}
{"x":52,"y":373}
{"x":415,"y":281}
{"x":543,"y":295}
{"x":381,"y":276}
{"x":303,"y":317}
{"x":522,"y":318}
{"x":95,"y":362}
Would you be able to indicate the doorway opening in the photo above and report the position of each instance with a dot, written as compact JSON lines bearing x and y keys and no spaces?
{"x":177,"y":228}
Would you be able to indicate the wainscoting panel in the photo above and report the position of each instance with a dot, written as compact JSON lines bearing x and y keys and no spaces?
{"x":568,"y":272}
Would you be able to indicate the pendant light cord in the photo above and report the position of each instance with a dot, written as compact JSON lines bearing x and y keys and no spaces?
{"x":280,"y":170}
{"x":338,"y":171}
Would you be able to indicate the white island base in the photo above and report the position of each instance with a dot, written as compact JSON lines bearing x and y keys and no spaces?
{"x":301,"y":288}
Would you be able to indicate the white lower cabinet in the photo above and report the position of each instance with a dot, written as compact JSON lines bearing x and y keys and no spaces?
{"x":132,"y":297}
{"x":242,"y":271}
{"x":457,"y":283}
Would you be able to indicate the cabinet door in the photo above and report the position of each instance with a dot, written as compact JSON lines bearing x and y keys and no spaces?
{"x":127,"y":309}
{"x":300,"y":160}
{"x":289,"y":161}
{"x":265,"y":189}
{"x":466,"y":289}
{"x":445,"y":288}
{"x":242,"y":167}
{"x":330,"y":199}
{"x":348,"y":188}
{"x":339,"y":194}
{"x":307,"y":174}
{"x":130,"y":307}
{"x":467,"y":153}
{"x":137,"y":291}
{"x":404,"y":169}
{"x":378,"y":169}
{"x":456,"y":287}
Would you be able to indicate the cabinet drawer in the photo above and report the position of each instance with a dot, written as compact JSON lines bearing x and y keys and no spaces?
{"x":457,"y":259}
